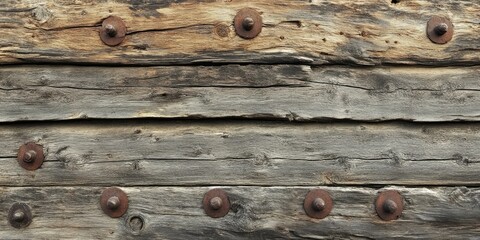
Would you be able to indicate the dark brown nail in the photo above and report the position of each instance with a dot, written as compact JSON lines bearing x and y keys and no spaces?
{"x":248,"y":23}
{"x":19,"y":215}
{"x":30,"y":156}
{"x":113,"y":31}
{"x":216,"y":203}
{"x":389,"y":205}
{"x":318,"y":204}
{"x":114,"y":202}
{"x":439,"y":29}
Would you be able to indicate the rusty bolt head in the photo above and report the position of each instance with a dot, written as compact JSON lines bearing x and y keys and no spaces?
{"x":318,"y":204}
{"x":216,"y":203}
{"x":439,"y":29}
{"x":248,"y":23}
{"x":114,"y":202}
{"x":20,"y":215}
{"x":113,"y":31}
{"x":30,"y":156}
{"x":110,"y":30}
{"x":389,"y":205}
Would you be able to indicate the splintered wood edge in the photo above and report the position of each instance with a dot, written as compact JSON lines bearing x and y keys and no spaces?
{"x":176,"y":212}
{"x":245,"y":153}
{"x":309,"y":32}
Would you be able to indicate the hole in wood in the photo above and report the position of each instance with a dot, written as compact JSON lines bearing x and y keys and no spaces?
{"x":135,"y":223}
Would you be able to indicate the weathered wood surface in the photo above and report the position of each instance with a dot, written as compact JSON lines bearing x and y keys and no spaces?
{"x":292,"y":92}
{"x":257,"y":213}
{"x":238,"y":153}
{"x":197,"y":31}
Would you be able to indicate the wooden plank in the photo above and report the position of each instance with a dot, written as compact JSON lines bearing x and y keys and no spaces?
{"x":292,"y":92}
{"x":238,"y":153}
{"x":257,"y":212}
{"x":196,"y":31}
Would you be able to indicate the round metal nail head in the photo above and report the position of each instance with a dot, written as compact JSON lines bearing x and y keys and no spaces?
{"x":20,"y":215}
{"x":439,"y":30}
{"x":248,"y":23}
{"x":389,"y":205}
{"x":30,"y":156}
{"x":114,"y":202}
{"x":318,"y":204}
{"x":216,"y":203}
{"x":113,"y":31}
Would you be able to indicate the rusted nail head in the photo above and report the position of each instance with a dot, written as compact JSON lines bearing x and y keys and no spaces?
{"x":114,"y":202}
{"x":318,"y":204}
{"x":439,"y":29}
{"x":216,"y":203}
{"x":30,"y":156}
{"x":248,"y":23}
{"x":19,"y":215}
{"x":113,"y":31}
{"x":389,"y":205}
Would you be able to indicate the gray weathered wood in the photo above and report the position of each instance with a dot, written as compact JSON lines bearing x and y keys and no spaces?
{"x":282,"y":91}
{"x":370,"y":32}
{"x":257,"y":213}
{"x":237,"y":153}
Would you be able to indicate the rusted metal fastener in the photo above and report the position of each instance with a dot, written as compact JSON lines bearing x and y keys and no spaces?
{"x":248,"y":23}
{"x":389,"y":205}
{"x":439,"y":29}
{"x":318,"y":204}
{"x":20,"y":215}
{"x":114,"y":202}
{"x":216,"y":203}
{"x":113,"y":31}
{"x":30,"y":156}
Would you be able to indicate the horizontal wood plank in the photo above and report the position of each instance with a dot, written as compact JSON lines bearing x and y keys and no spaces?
{"x":237,"y":153}
{"x":256,"y":212}
{"x":290,"y":92}
{"x":197,"y":31}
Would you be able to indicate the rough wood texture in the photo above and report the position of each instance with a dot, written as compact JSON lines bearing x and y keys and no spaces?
{"x":198,"y":31}
{"x":292,"y":92}
{"x":257,"y":213}
{"x":234,"y":153}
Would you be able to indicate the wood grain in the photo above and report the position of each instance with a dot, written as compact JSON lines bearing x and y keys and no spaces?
{"x":291,"y":92}
{"x":256,"y":213}
{"x":314,"y":32}
{"x":239,"y":153}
